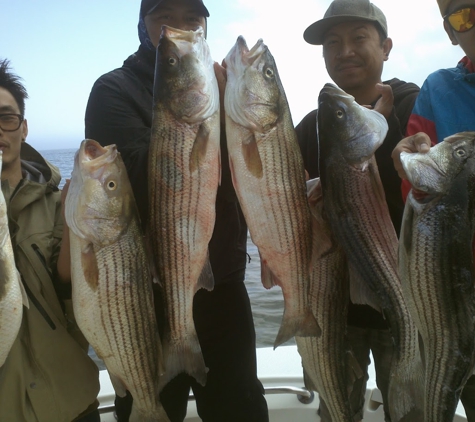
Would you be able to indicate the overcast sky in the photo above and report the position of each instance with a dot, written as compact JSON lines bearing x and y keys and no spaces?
{"x":60,"y":47}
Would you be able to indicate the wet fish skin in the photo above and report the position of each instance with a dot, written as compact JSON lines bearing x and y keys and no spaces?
{"x":354,"y":201}
{"x":268,"y":176}
{"x":11,"y":298}
{"x":436,"y":266}
{"x":184,"y":170}
{"x":111,"y":280}
{"x":324,"y":358}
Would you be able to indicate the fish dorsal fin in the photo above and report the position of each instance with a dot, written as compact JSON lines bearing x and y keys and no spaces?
{"x":206,"y":279}
{"x":250,"y":153}
{"x":198,"y":152}
{"x":90,"y":267}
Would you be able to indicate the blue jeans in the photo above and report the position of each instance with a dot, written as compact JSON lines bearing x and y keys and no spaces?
{"x":362,"y":341}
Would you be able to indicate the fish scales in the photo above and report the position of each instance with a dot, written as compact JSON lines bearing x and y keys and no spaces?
{"x":269,"y":179}
{"x":324,"y":357}
{"x":184,"y":165}
{"x":111,"y":281}
{"x":436,"y":266}
{"x":354,"y":200}
{"x":11,"y":296}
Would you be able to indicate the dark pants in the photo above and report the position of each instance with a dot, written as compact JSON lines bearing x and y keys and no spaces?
{"x":232,"y":393}
{"x":90,"y":417}
{"x":468,"y":399}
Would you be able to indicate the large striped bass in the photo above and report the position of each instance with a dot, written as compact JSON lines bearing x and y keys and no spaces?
{"x":111,"y":281}
{"x":269,"y":178}
{"x":436,"y":265}
{"x":12,"y":295}
{"x":354,"y":201}
{"x":184,"y":172}
{"x":325,"y":358}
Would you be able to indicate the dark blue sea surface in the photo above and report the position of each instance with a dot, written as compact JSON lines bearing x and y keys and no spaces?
{"x":267,"y":305}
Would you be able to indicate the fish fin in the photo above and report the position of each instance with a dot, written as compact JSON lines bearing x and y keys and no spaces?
{"x":251,"y":155}
{"x":355,"y":372}
{"x":406,"y":392}
{"x":301,"y":325}
{"x":268,"y":278}
{"x":360,"y":293}
{"x":184,"y":356}
{"x":24,"y":296}
{"x":198,"y":152}
{"x":119,"y":386}
{"x":206,"y":279}
{"x":308,"y":382}
{"x":89,"y":265}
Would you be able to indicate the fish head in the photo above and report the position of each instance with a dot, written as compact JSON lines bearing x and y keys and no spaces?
{"x":254,"y":94}
{"x":434,"y":173}
{"x":345,"y":126}
{"x":100,"y":203}
{"x":185,"y":82}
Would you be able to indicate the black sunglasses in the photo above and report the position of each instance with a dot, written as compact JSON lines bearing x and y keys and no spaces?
{"x":462,"y":19}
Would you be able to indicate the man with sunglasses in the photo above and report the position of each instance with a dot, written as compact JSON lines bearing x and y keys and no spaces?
{"x":446,"y":103}
{"x":354,"y":36}
{"x":47,"y":375}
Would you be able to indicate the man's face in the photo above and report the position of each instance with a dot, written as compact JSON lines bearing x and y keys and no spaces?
{"x":466,"y":40}
{"x":354,"y":55}
{"x":180,"y":14}
{"x":10,"y":142}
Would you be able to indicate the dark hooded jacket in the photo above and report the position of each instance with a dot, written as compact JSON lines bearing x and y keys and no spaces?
{"x":404,"y":97}
{"x":124,"y":99}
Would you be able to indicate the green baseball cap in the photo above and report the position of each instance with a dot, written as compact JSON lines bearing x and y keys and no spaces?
{"x":344,"y":11}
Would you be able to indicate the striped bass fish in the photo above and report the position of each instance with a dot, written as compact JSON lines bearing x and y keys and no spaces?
{"x":324,"y":358}
{"x":269,"y":178}
{"x":436,"y":266}
{"x":111,"y":279}
{"x":12,"y":294}
{"x":354,"y":201}
{"x":184,"y":173}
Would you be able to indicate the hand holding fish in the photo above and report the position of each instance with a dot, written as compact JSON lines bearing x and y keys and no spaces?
{"x":385,"y":104}
{"x":420,"y":142}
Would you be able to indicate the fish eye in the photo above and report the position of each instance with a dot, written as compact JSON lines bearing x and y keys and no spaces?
{"x":111,"y":185}
{"x":269,"y":73}
{"x":172,"y":61}
{"x":339,"y":114}
{"x":460,"y":152}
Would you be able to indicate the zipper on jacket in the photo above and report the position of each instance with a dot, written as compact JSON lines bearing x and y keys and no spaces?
{"x":38,"y":305}
{"x":62,"y":290}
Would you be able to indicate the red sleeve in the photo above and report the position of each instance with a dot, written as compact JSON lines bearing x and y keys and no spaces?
{"x":415,"y":125}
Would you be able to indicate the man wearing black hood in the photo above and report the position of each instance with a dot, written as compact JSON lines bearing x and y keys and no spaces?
{"x":119,"y":111}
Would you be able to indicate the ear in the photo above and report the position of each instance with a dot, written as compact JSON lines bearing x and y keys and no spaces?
{"x":24,"y":130}
{"x":450,"y":33}
{"x":387,"y":47}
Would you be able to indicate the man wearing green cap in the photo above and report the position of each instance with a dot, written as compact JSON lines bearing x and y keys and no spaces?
{"x":119,"y":111}
{"x":354,"y":36}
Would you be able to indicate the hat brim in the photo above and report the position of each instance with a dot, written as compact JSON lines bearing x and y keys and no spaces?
{"x":200,"y":6}
{"x":315,"y":33}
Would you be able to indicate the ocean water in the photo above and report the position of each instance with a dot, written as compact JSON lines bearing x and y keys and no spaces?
{"x":267,"y":305}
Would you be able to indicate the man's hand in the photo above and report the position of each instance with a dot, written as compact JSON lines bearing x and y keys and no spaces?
{"x":420,"y":142}
{"x":221,"y":77}
{"x":385,"y":104}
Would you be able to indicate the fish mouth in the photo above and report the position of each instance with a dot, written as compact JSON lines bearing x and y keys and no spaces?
{"x":94,"y":155}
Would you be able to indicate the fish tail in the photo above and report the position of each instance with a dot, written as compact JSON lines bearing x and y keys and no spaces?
{"x":406,"y":393}
{"x":184,"y":355}
{"x":301,"y":325}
